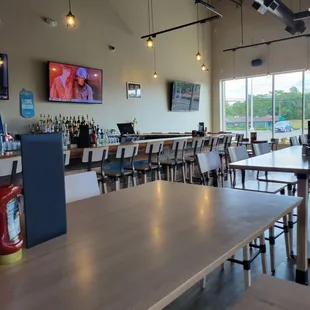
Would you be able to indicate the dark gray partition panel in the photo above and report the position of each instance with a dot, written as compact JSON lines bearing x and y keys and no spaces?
{"x":44,"y":187}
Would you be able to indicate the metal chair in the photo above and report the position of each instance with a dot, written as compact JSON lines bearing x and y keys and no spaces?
{"x":294,"y":141}
{"x":124,"y":152}
{"x":210,"y":163}
{"x":213,"y":143}
{"x":223,"y":149}
{"x":81,"y":186}
{"x":197,"y":145}
{"x":303,"y":139}
{"x":178,"y":160}
{"x":274,"y":144}
{"x":240,"y":153}
{"x":10,"y":167}
{"x":239,"y":138}
{"x":152,"y":148}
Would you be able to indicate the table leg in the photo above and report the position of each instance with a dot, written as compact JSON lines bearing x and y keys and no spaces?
{"x":247,"y":266}
{"x":302,"y":230}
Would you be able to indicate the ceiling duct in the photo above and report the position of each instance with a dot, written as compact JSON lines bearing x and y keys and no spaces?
{"x":293,"y":22}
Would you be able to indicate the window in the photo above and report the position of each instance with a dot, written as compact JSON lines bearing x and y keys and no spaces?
{"x":234,"y":92}
{"x":255,"y":113}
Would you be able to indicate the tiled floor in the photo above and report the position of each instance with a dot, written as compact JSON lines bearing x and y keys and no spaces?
{"x":224,"y":287}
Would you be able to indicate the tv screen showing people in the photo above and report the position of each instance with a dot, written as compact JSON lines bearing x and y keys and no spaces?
{"x":75,"y":84}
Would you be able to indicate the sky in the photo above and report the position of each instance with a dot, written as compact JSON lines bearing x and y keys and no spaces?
{"x":235,"y":89}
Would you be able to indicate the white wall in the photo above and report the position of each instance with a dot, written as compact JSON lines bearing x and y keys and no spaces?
{"x":284,"y":56}
{"x":30,"y":43}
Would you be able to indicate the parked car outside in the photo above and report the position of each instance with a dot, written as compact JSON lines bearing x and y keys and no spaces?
{"x":283,"y":126}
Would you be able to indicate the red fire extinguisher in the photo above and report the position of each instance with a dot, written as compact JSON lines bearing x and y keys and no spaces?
{"x":11,"y":240}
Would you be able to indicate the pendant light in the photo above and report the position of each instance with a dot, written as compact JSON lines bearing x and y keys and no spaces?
{"x":1,"y":62}
{"x":204,"y":49}
{"x":149,"y":41}
{"x":70,"y":18}
{"x":155,"y":75}
{"x":198,"y":55}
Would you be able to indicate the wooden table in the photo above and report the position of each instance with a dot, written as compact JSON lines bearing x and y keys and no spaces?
{"x":269,"y":293}
{"x":139,"y":248}
{"x":289,"y":160}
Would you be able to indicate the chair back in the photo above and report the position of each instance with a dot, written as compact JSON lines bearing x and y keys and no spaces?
{"x":303,"y":139}
{"x":213,"y":143}
{"x":179,"y":146}
{"x":127,"y":151}
{"x":239,"y":138}
{"x":294,"y":141}
{"x":227,"y":141}
{"x":155,"y":147}
{"x":237,"y":153}
{"x":274,"y":144}
{"x":261,"y":148}
{"x":94,"y":155}
{"x":66,"y":158}
{"x":198,"y":144}
{"x":208,"y":161}
{"x":10,"y":166}
{"x":81,"y":186}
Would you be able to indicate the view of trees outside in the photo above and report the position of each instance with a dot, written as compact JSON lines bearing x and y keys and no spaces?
{"x":288,"y":105}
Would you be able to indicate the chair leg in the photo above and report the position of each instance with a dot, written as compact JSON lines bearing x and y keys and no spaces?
{"x":271,"y":245}
{"x":203,"y":282}
{"x":168,"y":176}
{"x":144,"y":177}
{"x":134,"y":180}
{"x":117,"y":184}
{"x":186,"y":169}
{"x":286,"y":237}
{"x":247,"y":266}
{"x":105,"y":188}
{"x":183,"y":172}
{"x":291,"y":232}
{"x":263,"y":253}
{"x":175,"y":173}
{"x":191,"y":166}
{"x":171,"y":174}
{"x":159,"y":174}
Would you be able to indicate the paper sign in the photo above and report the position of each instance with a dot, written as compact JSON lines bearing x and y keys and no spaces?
{"x":26,"y":99}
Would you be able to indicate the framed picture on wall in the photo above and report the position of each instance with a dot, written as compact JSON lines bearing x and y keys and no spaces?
{"x":133,"y":90}
{"x":4,"y":77}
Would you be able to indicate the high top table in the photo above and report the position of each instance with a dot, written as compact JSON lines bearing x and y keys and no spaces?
{"x":138,"y":248}
{"x":289,"y":160}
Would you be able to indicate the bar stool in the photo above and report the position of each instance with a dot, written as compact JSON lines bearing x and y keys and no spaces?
{"x":124,"y":152}
{"x":198,"y":144}
{"x":171,"y":164}
{"x":152,"y":148}
{"x":240,"y":153}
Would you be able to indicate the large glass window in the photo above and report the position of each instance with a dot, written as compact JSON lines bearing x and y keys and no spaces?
{"x":260,"y":106}
{"x":234,"y":93}
{"x":288,"y":105}
{"x":255,"y":112}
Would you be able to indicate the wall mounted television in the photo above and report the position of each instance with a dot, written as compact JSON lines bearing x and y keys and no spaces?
{"x":185,"y":96}
{"x":4,"y":77}
{"x":74,"y":84}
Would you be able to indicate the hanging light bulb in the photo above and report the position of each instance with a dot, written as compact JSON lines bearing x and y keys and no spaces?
{"x":70,"y":18}
{"x":155,"y":75}
{"x":198,"y":56}
{"x":203,"y":67}
{"x":149,"y":43}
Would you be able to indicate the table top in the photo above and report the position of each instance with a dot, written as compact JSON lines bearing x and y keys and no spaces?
{"x":138,"y":248}
{"x":269,"y":293}
{"x":286,"y":160}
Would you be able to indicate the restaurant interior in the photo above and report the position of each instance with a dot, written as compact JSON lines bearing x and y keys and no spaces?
{"x":154,"y":154}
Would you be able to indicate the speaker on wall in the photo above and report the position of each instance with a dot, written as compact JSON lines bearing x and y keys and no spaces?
{"x":256,"y":62}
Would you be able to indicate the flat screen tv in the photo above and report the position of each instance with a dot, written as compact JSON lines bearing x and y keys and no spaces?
{"x":185,"y":96}
{"x":74,"y":84}
{"x":4,"y":77}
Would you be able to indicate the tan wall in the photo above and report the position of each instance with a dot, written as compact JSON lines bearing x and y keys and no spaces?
{"x":30,"y":43}
{"x":284,"y":56}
